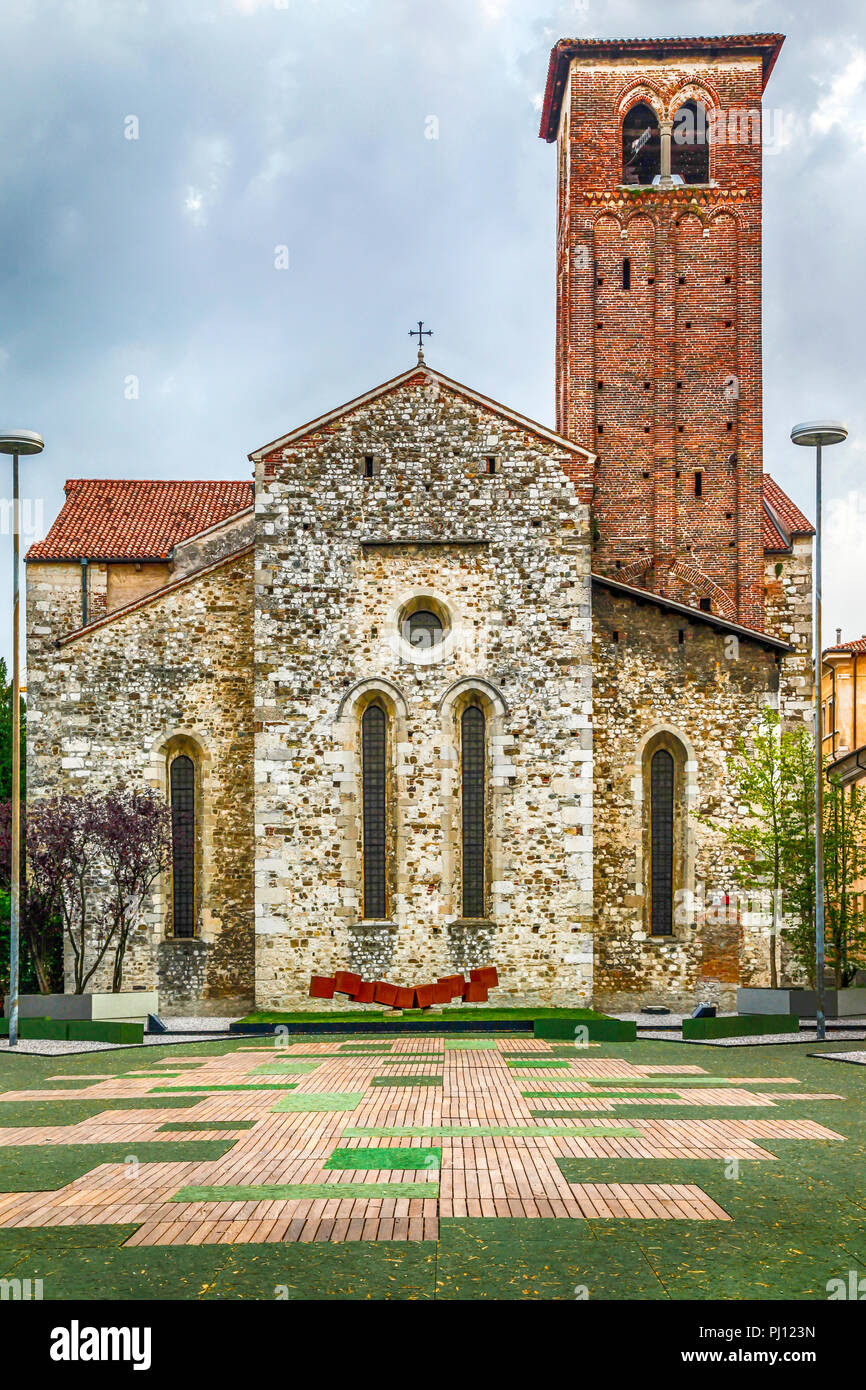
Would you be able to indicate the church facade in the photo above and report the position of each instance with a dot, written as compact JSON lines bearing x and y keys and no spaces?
{"x":443,"y":686}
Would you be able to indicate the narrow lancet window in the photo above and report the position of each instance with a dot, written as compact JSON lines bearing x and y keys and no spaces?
{"x":373,"y":753}
{"x":473,"y":759}
{"x":183,"y":817}
{"x":662,"y":842}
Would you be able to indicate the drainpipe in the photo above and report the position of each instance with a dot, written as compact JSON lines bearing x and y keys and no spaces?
{"x":83,"y":591}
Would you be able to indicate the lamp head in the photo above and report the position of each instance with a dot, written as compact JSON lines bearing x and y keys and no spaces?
{"x":21,"y":442}
{"x":815,"y":432}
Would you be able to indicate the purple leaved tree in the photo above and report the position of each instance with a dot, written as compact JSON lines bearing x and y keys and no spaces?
{"x":134,"y":833}
{"x":96,"y":858}
{"x":38,"y":907}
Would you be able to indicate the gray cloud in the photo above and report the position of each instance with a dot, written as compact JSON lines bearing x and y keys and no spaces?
{"x":305,"y":126}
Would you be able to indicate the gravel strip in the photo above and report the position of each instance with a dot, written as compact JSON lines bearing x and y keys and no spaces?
{"x":841,"y":1056}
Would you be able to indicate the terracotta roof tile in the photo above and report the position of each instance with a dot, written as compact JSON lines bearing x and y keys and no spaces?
{"x":136,"y":519}
{"x":781,"y":518}
{"x":856,"y":648}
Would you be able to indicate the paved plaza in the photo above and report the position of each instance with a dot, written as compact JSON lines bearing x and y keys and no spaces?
{"x":413,"y":1167}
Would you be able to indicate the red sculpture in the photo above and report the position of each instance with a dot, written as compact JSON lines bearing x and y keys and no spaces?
{"x":471,"y":991}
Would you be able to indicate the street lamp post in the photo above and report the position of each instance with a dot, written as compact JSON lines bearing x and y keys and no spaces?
{"x":816,"y":434}
{"x":16,"y":443}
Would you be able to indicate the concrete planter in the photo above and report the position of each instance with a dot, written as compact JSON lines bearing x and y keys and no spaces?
{"x":843,"y":1003}
{"x":130,"y":1006}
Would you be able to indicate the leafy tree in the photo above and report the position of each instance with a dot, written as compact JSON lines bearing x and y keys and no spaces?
{"x":758,"y":843}
{"x":41,"y":967}
{"x":774,"y":774}
{"x":6,"y":736}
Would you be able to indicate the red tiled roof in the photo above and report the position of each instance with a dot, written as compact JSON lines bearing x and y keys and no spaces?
{"x":856,"y":648}
{"x":136,"y":519}
{"x":563,"y":52}
{"x":781,"y":518}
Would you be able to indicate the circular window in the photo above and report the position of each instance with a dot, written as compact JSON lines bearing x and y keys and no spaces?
{"x":423,"y":629}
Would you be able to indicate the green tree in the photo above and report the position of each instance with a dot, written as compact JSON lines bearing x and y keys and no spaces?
{"x":758,"y":842}
{"x":6,"y":736}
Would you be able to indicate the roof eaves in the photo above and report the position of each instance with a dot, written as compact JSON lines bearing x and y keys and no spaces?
{"x":697,"y":615}
{"x":562,"y":53}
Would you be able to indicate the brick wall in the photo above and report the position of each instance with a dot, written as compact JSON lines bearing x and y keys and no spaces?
{"x":664,"y":379}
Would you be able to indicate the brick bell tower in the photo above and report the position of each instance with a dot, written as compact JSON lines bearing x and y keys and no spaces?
{"x":658,"y":359}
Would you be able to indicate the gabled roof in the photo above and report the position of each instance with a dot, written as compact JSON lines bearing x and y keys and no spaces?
{"x":781,"y":519}
{"x":768,"y":45}
{"x":137,"y":518}
{"x":693,"y":615}
{"x":427,"y":375}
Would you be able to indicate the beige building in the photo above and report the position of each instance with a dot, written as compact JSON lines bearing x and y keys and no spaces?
{"x":843,"y":706}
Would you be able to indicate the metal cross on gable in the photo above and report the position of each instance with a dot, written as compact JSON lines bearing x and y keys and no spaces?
{"x":420,"y":333}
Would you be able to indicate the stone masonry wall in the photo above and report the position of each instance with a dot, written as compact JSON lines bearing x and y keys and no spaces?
{"x":788,"y":607}
{"x":697,"y":690}
{"x":111,"y":703}
{"x":504,"y":559}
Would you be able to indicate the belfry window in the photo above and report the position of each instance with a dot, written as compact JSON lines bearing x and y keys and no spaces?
{"x":183,"y":837}
{"x":641,"y":145}
{"x":661,"y":842}
{"x":690,"y":148}
{"x":373,"y":773}
{"x":473,"y":758}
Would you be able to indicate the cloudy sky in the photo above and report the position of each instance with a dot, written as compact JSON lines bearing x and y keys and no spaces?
{"x":149,"y":323}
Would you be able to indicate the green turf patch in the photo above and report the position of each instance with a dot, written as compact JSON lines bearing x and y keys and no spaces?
{"x":205,"y":1124}
{"x":365,"y":1047}
{"x":470,"y":1044}
{"x":341,"y":1192}
{"x":240,"y":1086}
{"x":650,"y":1170}
{"x":487,"y":1131}
{"x":24,"y":1113}
{"x":410,"y":1017}
{"x":527,"y":1064}
{"x":406,"y":1081}
{"x":47,"y":1167}
{"x":319,"y":1100}
{"x":291,"y":1064}
{"x":509,"y":1259}
{"x":385,"y":1158}
{"x":590,"y":1095}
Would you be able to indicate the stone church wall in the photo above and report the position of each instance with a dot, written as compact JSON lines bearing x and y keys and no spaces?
{"x":504,"y":558}
{"x":661,"y":681}
{"x":788,"y":609}
{"x":110,"y":704}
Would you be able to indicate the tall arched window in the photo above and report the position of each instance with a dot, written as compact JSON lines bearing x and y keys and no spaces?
{"x":641,"y":145}
{"x":661,"y":842}
{"x":690,"y":147}
{"x":373,"y":773}
{"x":183,"y":848}
{"x":473,"y":777}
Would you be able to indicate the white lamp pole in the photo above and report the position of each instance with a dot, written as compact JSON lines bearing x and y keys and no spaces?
{"x":816,"y":434}
{"x":16,"y":443}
